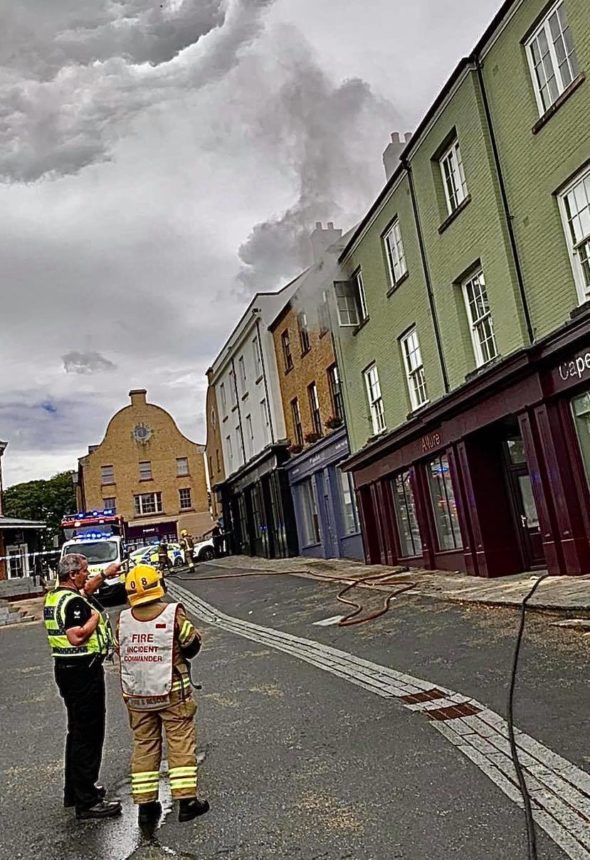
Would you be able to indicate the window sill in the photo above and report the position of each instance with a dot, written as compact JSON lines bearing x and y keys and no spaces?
{"x":482,"y":367}
{"x":581,"y":310}
{"x":360,"y":326}
{"x":542,"y":121}
{"x":224,"y":419}
{"x":397,"y":284}
{"x":186,"y":510}
{"x":454,"y":214}
{"x":417,"y":410}
{"x":246,"y":395}
{"x":258,"y":380}
{"x":108,"y":483}
{"x":145,"y":480}
{"x":289,"y":369}
{"x":305,"y":351}
{"x":149,"y":514}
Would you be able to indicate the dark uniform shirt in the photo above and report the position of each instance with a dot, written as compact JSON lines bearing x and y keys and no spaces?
{"x":77,"y":613}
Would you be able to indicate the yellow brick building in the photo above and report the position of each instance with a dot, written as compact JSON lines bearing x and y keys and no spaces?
{"x":149,"y":472}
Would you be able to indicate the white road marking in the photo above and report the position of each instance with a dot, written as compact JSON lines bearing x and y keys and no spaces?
{"x":328,"y":622}
{"x":559,"y":790}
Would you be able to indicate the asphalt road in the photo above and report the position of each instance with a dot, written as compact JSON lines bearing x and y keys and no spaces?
{"x":299,"y":763}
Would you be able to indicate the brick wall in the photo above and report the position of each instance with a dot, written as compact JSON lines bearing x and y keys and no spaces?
{"x":166,"y":443}
{"x":214,"y":447}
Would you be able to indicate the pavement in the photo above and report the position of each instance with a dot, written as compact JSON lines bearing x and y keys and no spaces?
{"x":556,"y":593}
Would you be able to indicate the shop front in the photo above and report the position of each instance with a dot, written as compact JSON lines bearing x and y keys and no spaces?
{"x":257,"y":507}
{"x":141,"y":532}
{"x":324,"y":501}
{"x":493,"y":480}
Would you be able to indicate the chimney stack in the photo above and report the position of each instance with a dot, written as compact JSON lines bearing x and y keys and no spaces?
{"x":322,"y":237}
{"x":138,"y":396}
{"x":393,"y":152}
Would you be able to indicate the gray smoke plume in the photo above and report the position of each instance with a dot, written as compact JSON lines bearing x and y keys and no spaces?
{"x":73,"y":74}
{"x":330,"y":137}
{"x":86,"y":362}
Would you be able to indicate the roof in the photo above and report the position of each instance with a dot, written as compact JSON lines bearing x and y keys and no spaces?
{"x":430,"y":113}
{"x":14,"y":523}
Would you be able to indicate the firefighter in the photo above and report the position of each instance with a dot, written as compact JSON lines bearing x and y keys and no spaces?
{"x":187,"y":544}
{"x":155,"y":641}
{"x":80,"y":638}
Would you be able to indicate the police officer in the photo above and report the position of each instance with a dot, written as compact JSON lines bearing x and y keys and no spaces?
{"x":80,"y":638}
{"x":155,"y":640}
{"x":187,"y":544}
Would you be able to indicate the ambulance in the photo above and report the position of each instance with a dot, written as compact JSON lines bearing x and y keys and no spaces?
{"x":100,"y":537}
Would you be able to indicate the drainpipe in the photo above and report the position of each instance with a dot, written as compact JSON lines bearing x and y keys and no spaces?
{"x":503,"y":194}
{"x":407,"y":167}
{"x":268,"y":411}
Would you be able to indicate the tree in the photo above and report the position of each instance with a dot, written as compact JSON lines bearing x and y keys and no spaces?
{"x":44,"y":500}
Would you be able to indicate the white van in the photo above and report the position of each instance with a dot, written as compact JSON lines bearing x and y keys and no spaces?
{"x":101,"y":552}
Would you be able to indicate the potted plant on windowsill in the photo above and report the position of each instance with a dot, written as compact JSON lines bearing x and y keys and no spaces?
{"x":333,"y":422}
{"x":294,"y":448}
{"x":310,"y":438}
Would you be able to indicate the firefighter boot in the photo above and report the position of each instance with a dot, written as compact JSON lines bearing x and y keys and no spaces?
{"x":149,"y":812}
{"x":191,"y":807}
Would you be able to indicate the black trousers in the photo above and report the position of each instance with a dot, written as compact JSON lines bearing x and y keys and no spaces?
{"x":83,"y":690}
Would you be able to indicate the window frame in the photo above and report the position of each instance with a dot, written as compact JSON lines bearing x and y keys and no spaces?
{"x":335,"y":387}
{"x":242,"y":374}
{"x":474,"y":325}
{"x":303,"y":329}
{"x":249,"y":434}
{"x":452,"y":510}
{"x":453,"y":155}
{"x":310,"y":511}
{"x":180,"y":473}
{"x":182,"y":507}
{"x":286,"y":348}
{"x":145,"y":473}
{"x":230,"y":450}
{"x":110,"y":476}
{"x":395,"y":253}
{"x":350,"y":514}
{"x":314,"y":409}
{"x":376,"y":405}
{"x":156,"y":497}
{"x":544,"y":26}
{"x":112,"y":507}
{"x":408,"y":516}
{"x":265,"y":415}
{"x":257,"y":356}
{"x":223,"y":398}
{"x":574,"y":248}
{"x":415,"y":376}
{"x":296,"y":418}
{"x":352,"y":301}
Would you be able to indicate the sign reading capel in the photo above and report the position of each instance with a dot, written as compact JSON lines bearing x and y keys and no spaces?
{"x":570,"y":372}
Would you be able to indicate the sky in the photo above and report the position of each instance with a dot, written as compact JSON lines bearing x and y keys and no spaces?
{"x":162,"y":161}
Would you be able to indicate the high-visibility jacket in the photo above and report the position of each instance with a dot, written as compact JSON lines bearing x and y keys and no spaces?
{"x":146,"y":653}
{"x":99,"y":642}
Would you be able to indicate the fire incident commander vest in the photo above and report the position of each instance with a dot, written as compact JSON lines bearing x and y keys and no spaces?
{"x":146,"y":650}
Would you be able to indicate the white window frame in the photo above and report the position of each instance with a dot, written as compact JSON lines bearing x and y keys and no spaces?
{"x":223,"y":399}
{"x":452,"y":156}
{"x":578,"y":247}
{"x":415,"y":376}
{"x":375,"y":399}
{"x":570,"y":59}
{"x":314,"y":408}
{"x":182,"y":467}
{"x":233,"y":396}
{"x":141,"y":497}
{"x":351,"y":301}
{"x":257,"y":357}
{"x":145,"y":473}
{"x":249,"y":435}
{"x":243,"y":377}
{"x":190,"y":499}
{"x":394,"y":250}
{"x":107,"y":474}
{"x":476,"y":324}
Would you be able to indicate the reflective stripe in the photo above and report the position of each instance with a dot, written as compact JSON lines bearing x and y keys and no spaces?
{"x":182,"y":771}
{"x":184,"y":783}
{"x":187,"y":632}
{"x":54,"y":618}
{"x":145,"y":778}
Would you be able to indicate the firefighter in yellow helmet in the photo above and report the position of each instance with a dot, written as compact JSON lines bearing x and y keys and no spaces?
{"x":187,"y":545}
{"x":155,"y":641}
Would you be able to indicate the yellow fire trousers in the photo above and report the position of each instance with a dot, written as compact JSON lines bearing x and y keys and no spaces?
{"x":148,"y":727}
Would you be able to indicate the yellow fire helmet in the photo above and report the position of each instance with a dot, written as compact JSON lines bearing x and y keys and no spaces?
{"x":143,"y":584}
{"x":183,"y":533}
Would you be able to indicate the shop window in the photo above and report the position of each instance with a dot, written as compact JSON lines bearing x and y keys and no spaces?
{"x":148,"y":503}
{"x":575,"y":208}
{"x":107,"y":475}
{"x":185,"y":499}
{"x":443,"y":504}
{"x":405,"y":515}
{"x":552,"y":57}
{"x":481,"y":323}
{"x":349,"y":508}
{"x":311,"y":523}
{"x":581,"y":410}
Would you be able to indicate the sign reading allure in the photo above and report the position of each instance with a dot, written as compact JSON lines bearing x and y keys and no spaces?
{"x":431,"y":442}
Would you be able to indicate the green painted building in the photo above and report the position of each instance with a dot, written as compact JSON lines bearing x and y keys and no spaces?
{"x":463,"y":327}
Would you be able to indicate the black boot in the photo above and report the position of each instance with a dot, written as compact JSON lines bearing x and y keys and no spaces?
{"x":149,"y":811}
{"x":101,"y":809}
{"x":101,"y":793}
{"x":191,"y":807}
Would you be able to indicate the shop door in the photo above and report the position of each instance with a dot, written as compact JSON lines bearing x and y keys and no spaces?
{"x":524,"y":507}
{"x":329,"y":533}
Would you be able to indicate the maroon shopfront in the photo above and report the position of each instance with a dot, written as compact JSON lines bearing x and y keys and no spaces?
{"x":494,"y":479}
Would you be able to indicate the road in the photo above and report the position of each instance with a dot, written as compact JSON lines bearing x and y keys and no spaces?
{"x":300,"y":762}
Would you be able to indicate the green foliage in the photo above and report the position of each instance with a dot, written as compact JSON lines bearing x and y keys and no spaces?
{"x":47,"y":501}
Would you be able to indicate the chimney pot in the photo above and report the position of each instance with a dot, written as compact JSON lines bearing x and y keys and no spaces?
{"x":318,"y":225}
{"x":408,"y":136}
{"x":330,"y":225}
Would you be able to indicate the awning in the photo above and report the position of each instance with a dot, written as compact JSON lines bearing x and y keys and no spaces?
{"x":13,"y":523}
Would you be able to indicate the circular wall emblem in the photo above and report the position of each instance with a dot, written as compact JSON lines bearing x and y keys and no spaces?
{"x":142,"y":433}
